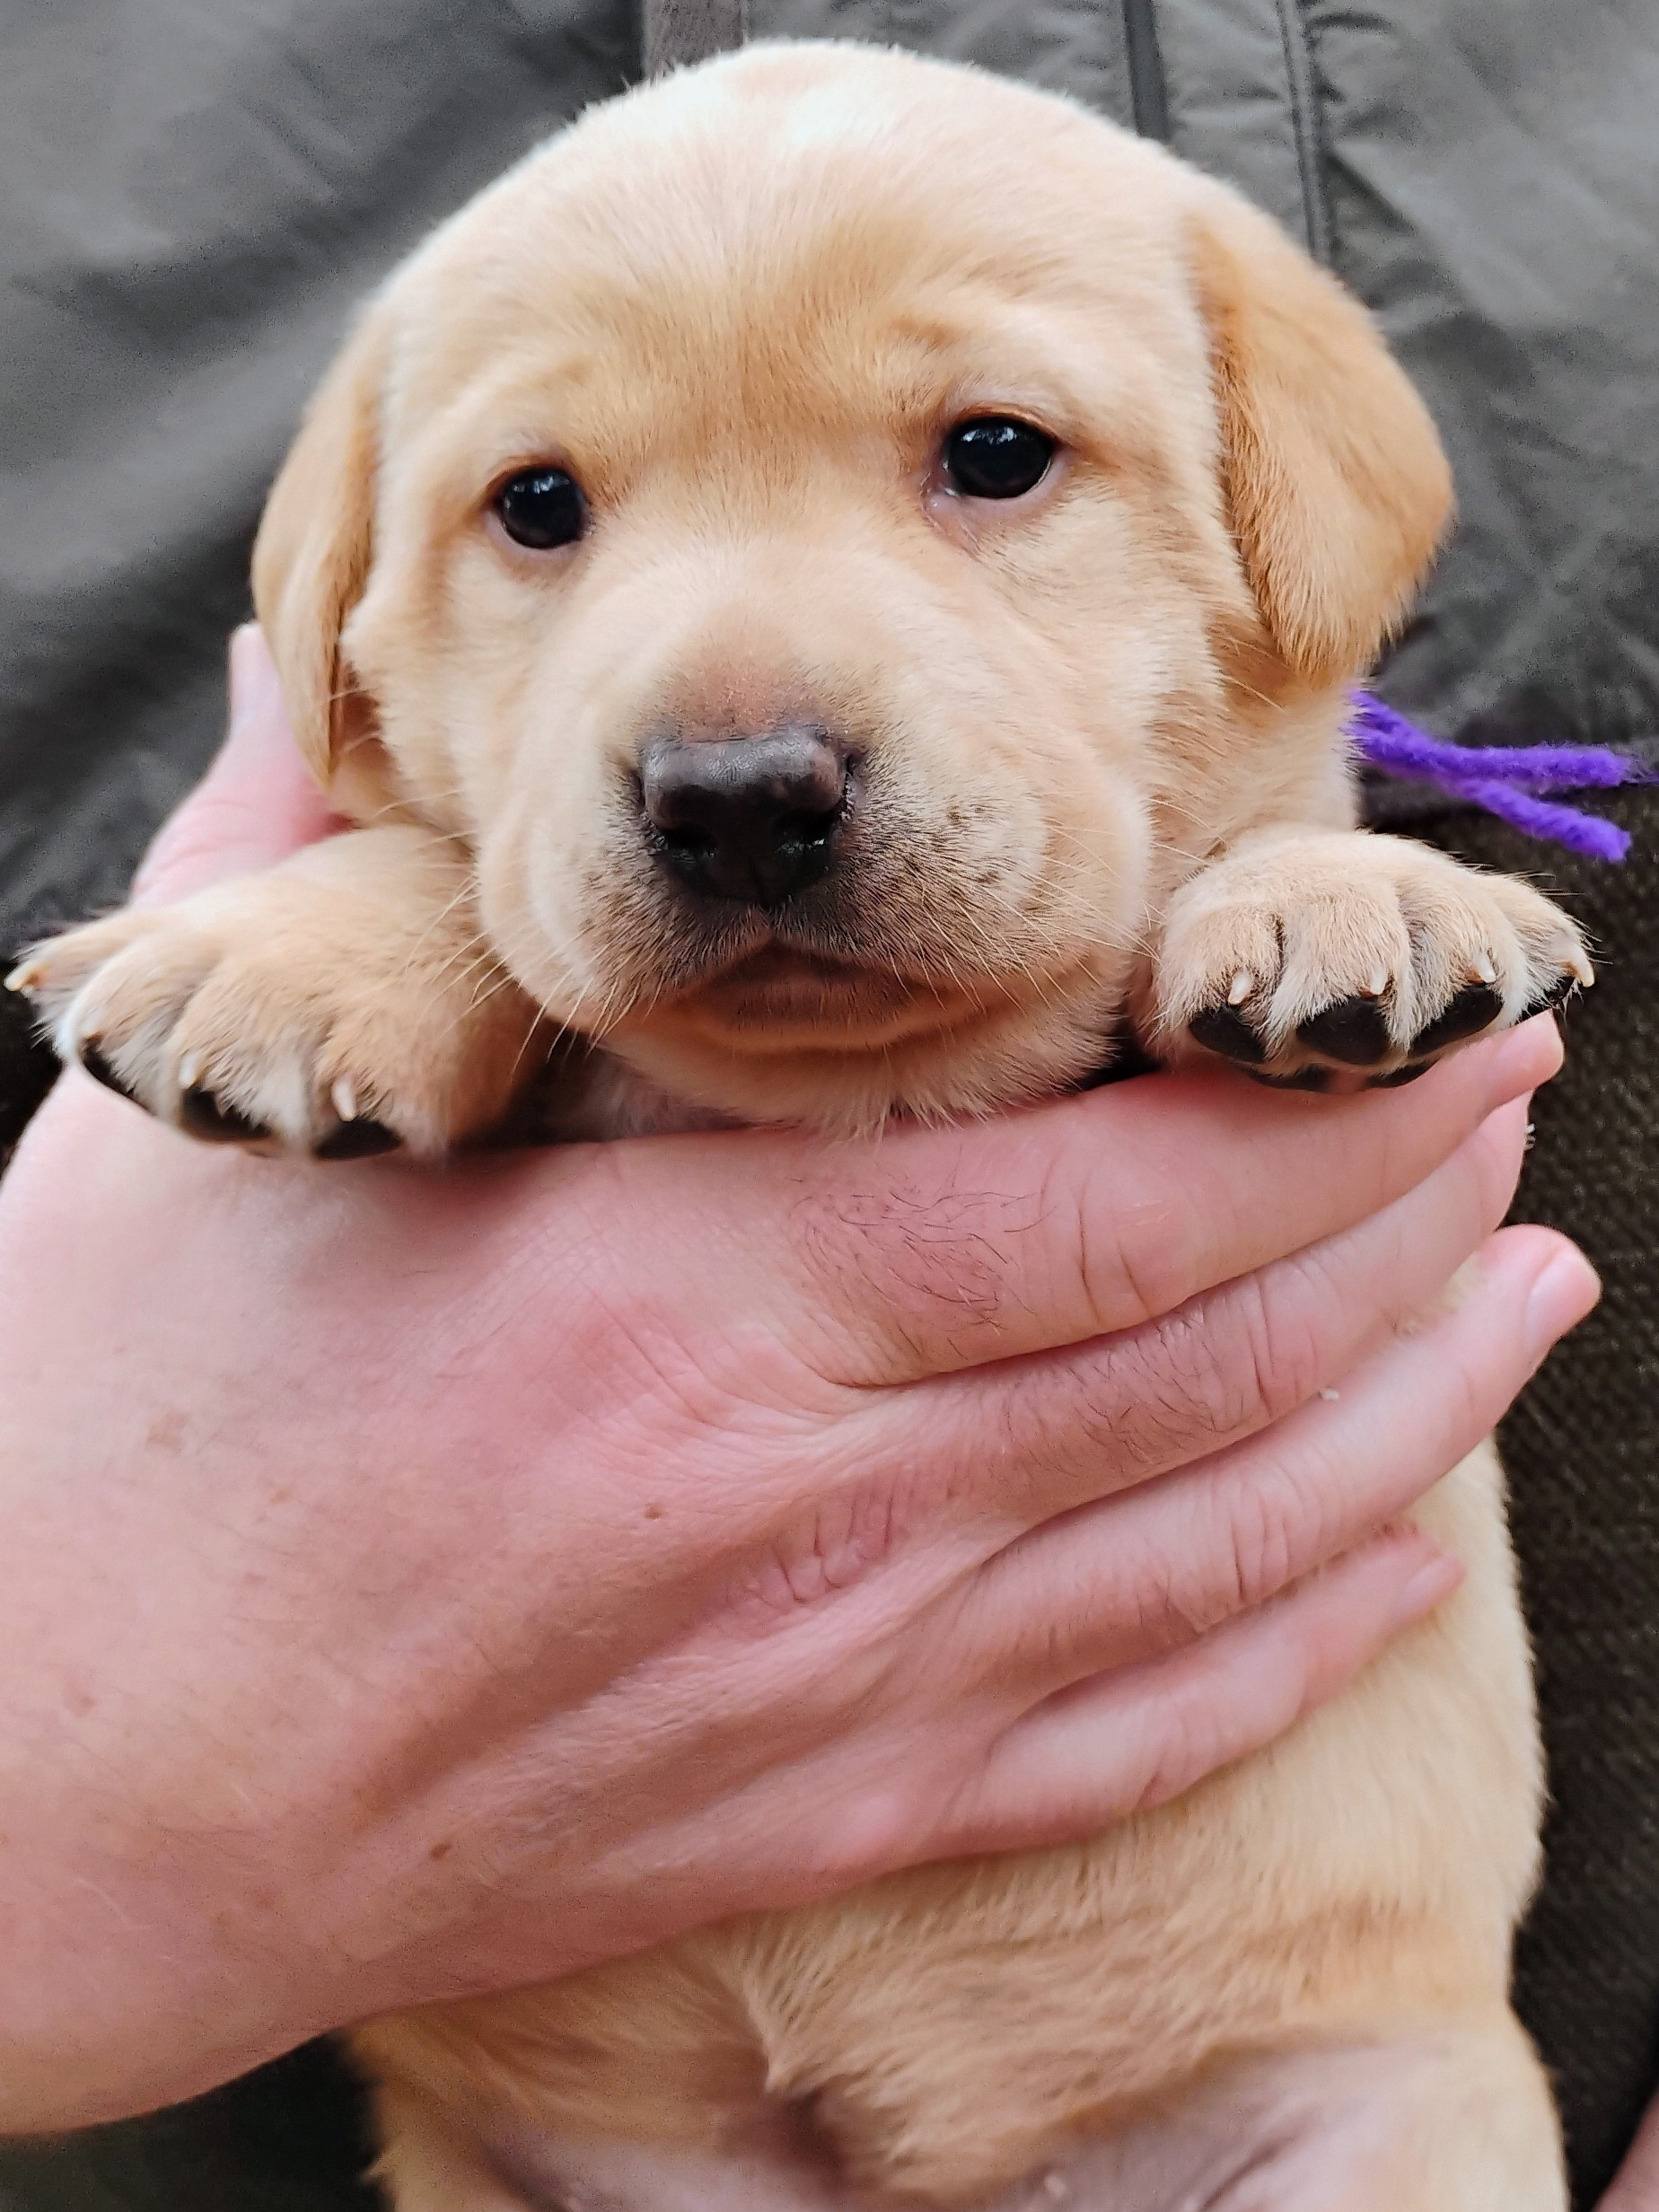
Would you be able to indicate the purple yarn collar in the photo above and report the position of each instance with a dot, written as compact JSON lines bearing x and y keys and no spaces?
{"x":1514,"y":781}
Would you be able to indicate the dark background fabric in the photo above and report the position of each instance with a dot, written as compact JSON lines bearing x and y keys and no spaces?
{"x":195,"y":193}
{"x":290,"y":2139}
{"x":1581,"y":1450}
{"x":679,"y":32}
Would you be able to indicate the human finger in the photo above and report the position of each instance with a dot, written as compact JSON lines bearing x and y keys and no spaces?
{"x":257,"y":803}
{"x":1123,"y":1742}
{"x":936,"y":1249}
{"x":1103,"y":1587}
{"x":1073,"y":1424}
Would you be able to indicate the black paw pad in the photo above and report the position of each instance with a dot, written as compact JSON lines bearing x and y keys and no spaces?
{"x":1354,"y":1031}
{"x":1398,"y":1076}
{"x":358,"y":1140}
{"x":208,"y":1118}
{"x":1225,"y":1030}
{"x":1304,"y":1079}
{"x":1557,"y":993}
{"x":101,"y":1071}
{"x":1476,"y":1007}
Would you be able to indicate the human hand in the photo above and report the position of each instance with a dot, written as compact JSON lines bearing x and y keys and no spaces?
{"x":421,"y":1583}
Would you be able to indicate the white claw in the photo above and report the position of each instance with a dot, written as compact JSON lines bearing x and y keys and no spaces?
{"x":190,"y":1072}
{"x":22,"y":977}
{"x":1376,"y":983}
{"x":1483,"y":970}
{"x":345,"y":1100}
{"x":1582,"y":969}
{"x":1243,"y":984}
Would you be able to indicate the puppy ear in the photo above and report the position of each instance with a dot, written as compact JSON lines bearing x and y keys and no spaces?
{"x":1338,"y":491}
{"x":310,"y":559}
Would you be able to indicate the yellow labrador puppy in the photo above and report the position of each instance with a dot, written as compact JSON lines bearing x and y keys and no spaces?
{"x":831,"y":593}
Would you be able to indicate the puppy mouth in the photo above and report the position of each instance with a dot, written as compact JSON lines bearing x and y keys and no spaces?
{"x":784,"y":986}
{"x":873,"y":956}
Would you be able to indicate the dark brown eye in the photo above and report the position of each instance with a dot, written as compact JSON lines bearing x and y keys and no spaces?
{"x":995,"y":457}
{"x":542,"y":508}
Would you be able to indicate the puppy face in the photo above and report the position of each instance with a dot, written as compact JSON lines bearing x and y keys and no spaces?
{"x":839,"y":537}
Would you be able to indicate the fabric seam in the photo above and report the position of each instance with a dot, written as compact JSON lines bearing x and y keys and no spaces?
{"x":674,"y":33}
{"x":1149,"y":97}
{"x":1304,"y":117}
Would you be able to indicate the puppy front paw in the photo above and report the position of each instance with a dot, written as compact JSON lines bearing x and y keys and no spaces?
{"x":284,"y":1012}
{"x":1323,"y":961}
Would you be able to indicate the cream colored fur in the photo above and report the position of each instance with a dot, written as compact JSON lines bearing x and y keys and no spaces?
{"x":1105,"y":787}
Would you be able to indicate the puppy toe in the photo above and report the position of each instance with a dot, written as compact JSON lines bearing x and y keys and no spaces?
{"x":98,"y":1067}
{"x":51,"y":974}
{"x":1354,"y":1030}
{"x":1554,"y":994}
{"x":1227,"y":1030}
{"x":1475,"y":1007}
{"x":361,"y":1138}
{"x":113,"y":1003}
{"x":203,"y":1113}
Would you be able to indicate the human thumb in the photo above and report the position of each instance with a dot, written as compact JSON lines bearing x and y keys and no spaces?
{"x":257,"y":803}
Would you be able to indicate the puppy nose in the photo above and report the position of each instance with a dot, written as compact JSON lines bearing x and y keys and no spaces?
{"x":748,"y":817}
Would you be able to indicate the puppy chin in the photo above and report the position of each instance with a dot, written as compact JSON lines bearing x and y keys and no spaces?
{"x":783,"y":996}
{"x":848,"y":1072}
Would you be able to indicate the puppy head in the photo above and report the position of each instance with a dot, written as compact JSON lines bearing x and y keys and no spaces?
{"x":840,"y":535}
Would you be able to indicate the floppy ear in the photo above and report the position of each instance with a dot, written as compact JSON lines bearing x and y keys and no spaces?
{"x":1338,"y":491}
{"x":310,"y":559}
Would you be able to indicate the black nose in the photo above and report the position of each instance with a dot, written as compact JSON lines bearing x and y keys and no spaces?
{"x":748,"y":817}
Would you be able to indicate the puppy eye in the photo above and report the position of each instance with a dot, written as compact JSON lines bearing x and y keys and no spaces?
{"x":542,"y":508}
{"x":996,"y":457}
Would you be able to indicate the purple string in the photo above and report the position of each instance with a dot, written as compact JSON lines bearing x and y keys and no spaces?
{"x":1514,"y":781}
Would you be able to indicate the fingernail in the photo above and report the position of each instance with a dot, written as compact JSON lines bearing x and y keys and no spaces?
{"x":1567,"y":1289}
{"x":1524,"y":1059}
{"x":241,"y":641}
{"x":1430,"y":1586}
{"x":256,"y":707}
